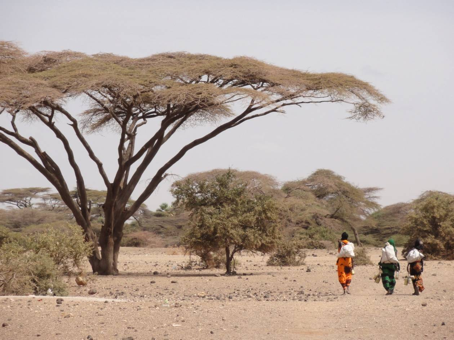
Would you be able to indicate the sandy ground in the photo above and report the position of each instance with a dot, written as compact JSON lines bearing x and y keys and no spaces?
{"x":260,"y":303}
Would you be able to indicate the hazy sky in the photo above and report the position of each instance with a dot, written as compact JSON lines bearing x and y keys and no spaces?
{"x":404,"y":48}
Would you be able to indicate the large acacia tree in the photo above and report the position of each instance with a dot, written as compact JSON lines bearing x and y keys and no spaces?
{"x":167,"y":91}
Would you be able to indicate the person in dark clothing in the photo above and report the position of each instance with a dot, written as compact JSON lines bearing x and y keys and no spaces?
{"x":416,"y":266}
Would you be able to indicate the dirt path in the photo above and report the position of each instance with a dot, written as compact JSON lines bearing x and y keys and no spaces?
{"x":266,"y":303}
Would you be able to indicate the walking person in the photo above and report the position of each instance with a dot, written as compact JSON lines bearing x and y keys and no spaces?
{"x":389,"y":265}
{"x":345,"y":265}
{"x":416,"y":266}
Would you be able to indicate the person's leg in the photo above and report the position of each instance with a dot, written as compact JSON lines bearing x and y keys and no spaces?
{"x":415,"y":286}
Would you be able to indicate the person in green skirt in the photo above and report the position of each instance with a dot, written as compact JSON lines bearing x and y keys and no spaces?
{"x":389,"y":264}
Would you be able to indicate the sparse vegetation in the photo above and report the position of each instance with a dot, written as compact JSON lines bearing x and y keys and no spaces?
{"x":361,"y":257}
{"x":34,"y":263}
{"x":290,"y":253}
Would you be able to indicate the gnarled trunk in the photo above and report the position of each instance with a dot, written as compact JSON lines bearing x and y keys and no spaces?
{"x":106,"y":262}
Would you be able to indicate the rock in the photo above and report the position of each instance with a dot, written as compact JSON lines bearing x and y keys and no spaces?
{"x":173,"y":282}
{"x":443,"y":323}
{"x":4,"y":324}
{"x":151,"y":282}
{"x":59,"y":301}
{"x":81,"y":280}
{"x":155,"y":273}
{"x":218,"y":275}
{"x":308,"y":270}
{"x":128,"y":338}
{"x":211,"y":332}
{"x":424,"y":304}
{"x":89,"y":337}
{"x":92,"y":291}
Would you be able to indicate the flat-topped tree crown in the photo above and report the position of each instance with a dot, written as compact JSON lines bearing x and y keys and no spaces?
{"x":167,"y":91}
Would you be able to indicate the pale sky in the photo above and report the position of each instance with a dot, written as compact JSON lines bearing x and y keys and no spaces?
{"x":404,"y":48}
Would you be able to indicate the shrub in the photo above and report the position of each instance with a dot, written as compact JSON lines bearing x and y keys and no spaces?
{"x":137,"y":239}
{"x":362,"y":258}
{"x":288,"y":254}
{"x":25,"y":272}
{"x":64,"y":244}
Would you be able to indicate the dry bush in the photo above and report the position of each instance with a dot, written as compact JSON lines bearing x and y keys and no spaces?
{"x":288,"y":254}
{"x":137,"y":239}
{"x":65,"y":244}
{"x":25,"y":272}
{"x":362,"y":258}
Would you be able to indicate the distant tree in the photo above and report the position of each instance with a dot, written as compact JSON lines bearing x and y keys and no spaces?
{"x":168,"y":91}
{"x":22,"y":197}
{"x":387,"y":222}
{"x":225,"y":215}
{"x":335,"y":199}
{"x":432,"y":221}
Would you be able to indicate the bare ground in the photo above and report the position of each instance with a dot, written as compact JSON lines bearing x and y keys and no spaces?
{"x":260,"y":303}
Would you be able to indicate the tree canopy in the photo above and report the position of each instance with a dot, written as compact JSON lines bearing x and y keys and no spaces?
{"x":165,"y":91}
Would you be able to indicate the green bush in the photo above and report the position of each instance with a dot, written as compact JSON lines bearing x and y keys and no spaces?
{"x":361,"y":257}
{"x":288,"y":254}
{"x":25,"y":272}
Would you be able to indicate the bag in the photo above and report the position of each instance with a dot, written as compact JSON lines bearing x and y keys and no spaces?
{"x":414,"y":255}
{"x":347,"y":250}
{"x":388,"y":255}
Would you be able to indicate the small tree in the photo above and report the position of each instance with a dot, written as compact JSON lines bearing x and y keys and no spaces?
{"x":224,"y":215}
{"x":432,"y":220}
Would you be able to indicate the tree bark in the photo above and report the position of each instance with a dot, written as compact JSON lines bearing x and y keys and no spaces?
{"x":355,"y":232}
{"x":228,"y":261}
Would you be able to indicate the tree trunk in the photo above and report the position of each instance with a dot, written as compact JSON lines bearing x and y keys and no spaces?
{"x":228,"y":261}
{"x":355,"y":232}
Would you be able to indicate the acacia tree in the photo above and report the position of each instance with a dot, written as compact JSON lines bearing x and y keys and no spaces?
{"x":166,"y":91}
{"x":22,"y":197}
{"x":336,"y":199}
{"x":431,"y":219}
{"x":226,"y":214}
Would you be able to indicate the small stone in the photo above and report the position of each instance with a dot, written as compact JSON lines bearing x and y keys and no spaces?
{"x":59,"y":301}
{"x":151,"y":282}
{"x":89,"y":337}
{"x":211,"y":332}
{"x":308,"y":270}
{"x":218,"y":275}
{"x":155,"y":273}
{"x":424,"y":304}
{"x":443,"y":323}
{"x":4,"y":324}
{"x":92,"y":291}
{"x":173,"y":282}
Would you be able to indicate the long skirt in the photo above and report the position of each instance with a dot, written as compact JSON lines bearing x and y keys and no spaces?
{"x":416,"y":272}
{"x":387,"y":276}
{"x":344,"y":271}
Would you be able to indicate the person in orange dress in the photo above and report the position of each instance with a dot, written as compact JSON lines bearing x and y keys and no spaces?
{"x":345,"y":265}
